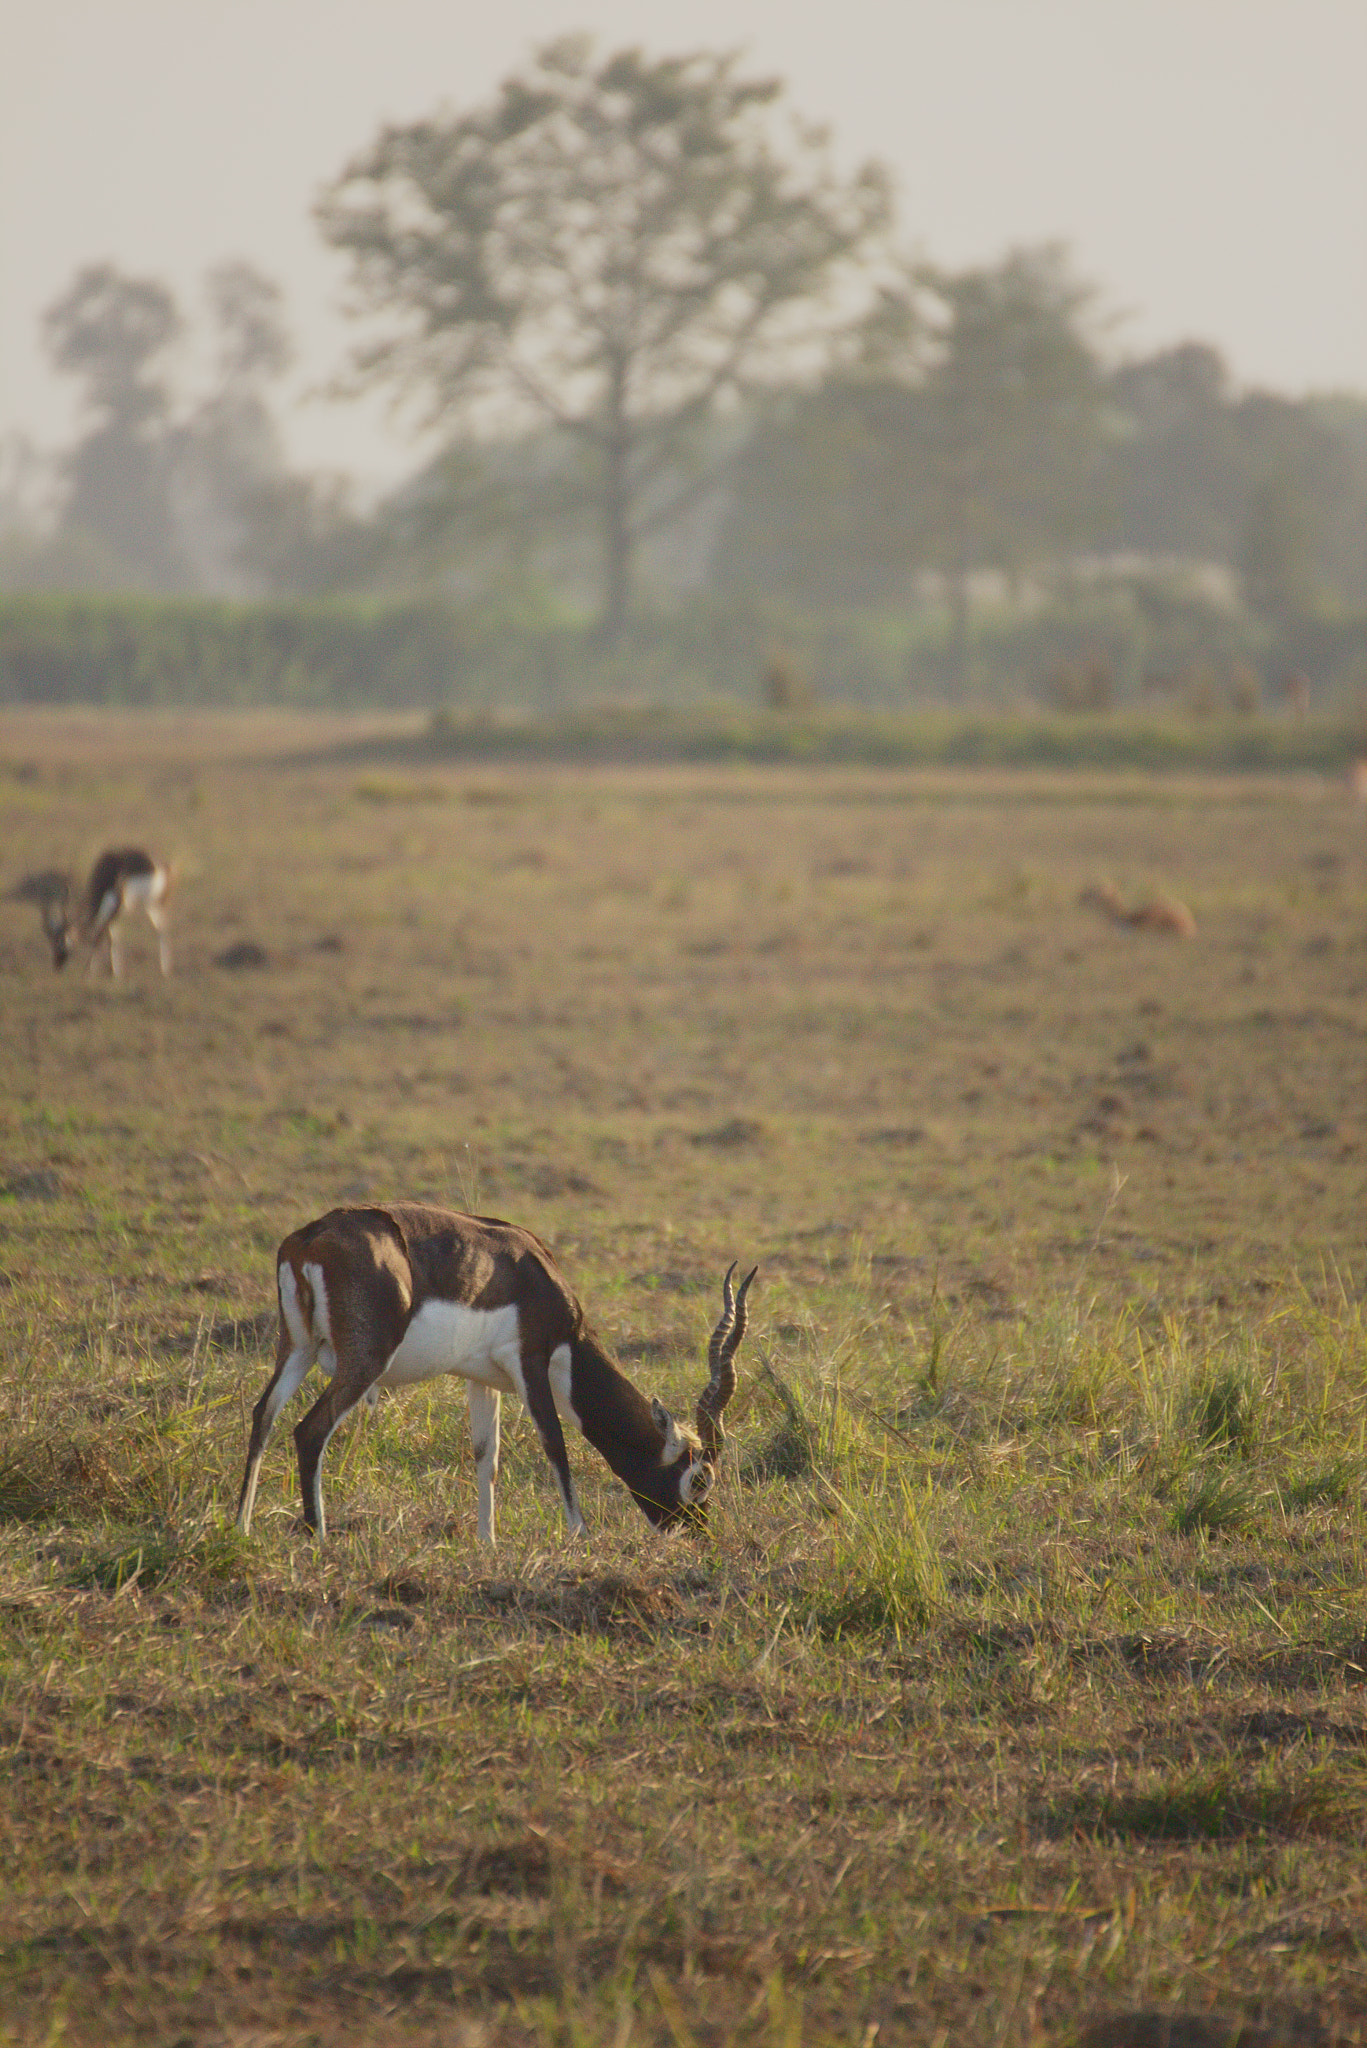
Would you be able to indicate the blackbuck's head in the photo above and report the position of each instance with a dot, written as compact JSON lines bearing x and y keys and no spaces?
{"x":690,"y":1457}
{"x":51,"y":892}
{"x":57,"y":926}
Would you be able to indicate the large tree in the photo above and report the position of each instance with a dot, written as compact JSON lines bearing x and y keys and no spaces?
{"x":112,"y":332}
{"x":610,"y":248}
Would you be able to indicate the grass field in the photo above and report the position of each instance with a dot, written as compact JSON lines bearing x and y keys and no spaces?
{"x":1015,"y":1692}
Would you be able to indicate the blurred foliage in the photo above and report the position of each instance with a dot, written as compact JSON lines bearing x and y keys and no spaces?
{"x":989,"y":479}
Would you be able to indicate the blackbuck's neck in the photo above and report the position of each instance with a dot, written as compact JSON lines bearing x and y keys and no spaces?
{"x":613,"y":1414}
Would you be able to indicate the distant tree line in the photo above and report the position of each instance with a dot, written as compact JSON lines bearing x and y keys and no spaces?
{"x":674,"y":351}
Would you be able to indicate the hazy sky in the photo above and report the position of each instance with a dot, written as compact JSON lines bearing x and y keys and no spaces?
{"x":1205,"y":159}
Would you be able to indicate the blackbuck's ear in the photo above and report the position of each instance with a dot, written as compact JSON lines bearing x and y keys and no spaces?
{"x":661,"y":1415}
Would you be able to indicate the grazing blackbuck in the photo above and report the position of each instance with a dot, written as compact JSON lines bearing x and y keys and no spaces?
{"x":123,"y":879}
{"x":384,"y":1298}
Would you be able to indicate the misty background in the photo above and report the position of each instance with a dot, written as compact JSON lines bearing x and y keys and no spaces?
{"x":583,"y":364}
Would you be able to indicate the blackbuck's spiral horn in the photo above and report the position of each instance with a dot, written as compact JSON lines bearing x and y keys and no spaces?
{"x":721,"y":1352}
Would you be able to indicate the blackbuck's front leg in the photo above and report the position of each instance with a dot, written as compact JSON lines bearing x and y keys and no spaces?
{"x":485,"y":1406}
{"x":160,"y":920}
{"x":540,"y":1400}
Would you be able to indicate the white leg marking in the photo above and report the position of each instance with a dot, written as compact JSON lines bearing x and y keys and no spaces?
{"x":509,"y":1358}
{"x":320,"y":1521}
{"x":161,"y":926}
{"x":485,"y":1406}
{"x":296,"y":1365}
{"x":300,"y":1335}
{"x":322,"y":1327}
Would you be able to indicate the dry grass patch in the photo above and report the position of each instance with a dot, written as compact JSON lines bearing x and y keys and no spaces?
{"x":1014,"y":1691}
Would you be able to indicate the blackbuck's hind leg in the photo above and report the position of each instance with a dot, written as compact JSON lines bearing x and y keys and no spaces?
{"x":292,"y":1361}
{"x":312,"y":1436}
{"x":485,"y":1404}
{"x":102,"y":929}
{"x":536,"y":1384}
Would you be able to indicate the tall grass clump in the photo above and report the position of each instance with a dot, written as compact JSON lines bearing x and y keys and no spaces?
{"x":789,"y":1451}
{"x":1322,"y":1486}
{"x":1319,"y":1355}
{"x":1215,"y":1502}
{"x":880,"y":1577}
{"x":1228,"y":1410}
{"x":828,"y":1403}
{"x":1081,"y":1374}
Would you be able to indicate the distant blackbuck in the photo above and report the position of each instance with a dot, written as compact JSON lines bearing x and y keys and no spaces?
{"x":383,"y":1298}
{"x":123,"y":879}
{"x":1159,"y":914}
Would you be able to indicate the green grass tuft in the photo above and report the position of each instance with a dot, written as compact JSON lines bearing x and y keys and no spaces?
{"x":1216,"y":1502}
{"x":212,"y":1556}
{"x":1226,"y":1412}
{"x":1325,"y":1486}
{"x":879,"y":1578}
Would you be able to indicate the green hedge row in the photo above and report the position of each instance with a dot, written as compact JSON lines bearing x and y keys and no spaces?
{"x":351,"y":653}
{"x":131,"y":650}
{"x":59,"y":649}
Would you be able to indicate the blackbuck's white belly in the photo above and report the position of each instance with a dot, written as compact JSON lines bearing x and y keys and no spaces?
{"x":139,"y":892}
{"x":481,"y":1344}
